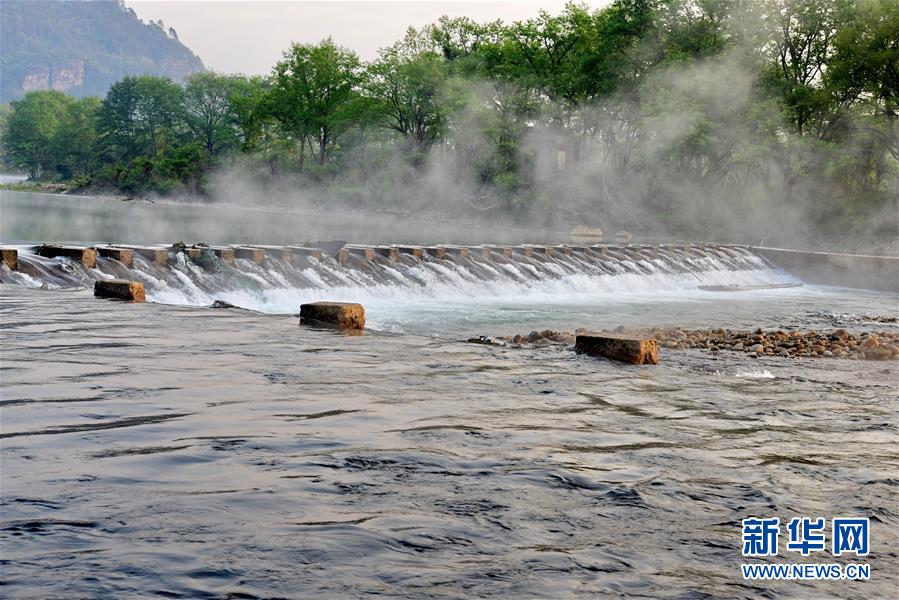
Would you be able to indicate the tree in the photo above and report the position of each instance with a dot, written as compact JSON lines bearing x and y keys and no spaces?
{"x":31,"y":128}
{"x":208,"y":110}
{"x":316,"y":95}
{"x":74,"y":143}
{"x":138,"y":116}
{"x":411,"y":91}
{"x":248,"y":109}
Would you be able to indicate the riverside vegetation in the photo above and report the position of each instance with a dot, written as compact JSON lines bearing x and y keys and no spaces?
{"x":773,"y":118}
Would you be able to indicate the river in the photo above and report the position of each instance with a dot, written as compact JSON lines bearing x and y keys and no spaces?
{"x":168,"y":449}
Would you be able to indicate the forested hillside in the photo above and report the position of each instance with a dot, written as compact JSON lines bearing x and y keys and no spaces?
{"x":82,"y":47}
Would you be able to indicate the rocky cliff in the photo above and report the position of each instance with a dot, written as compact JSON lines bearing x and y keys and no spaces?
{"x":82,"y":47}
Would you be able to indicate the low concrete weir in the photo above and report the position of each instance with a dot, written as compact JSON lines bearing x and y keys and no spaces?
{"x":170,"y":273}
{"x":829,"y":268}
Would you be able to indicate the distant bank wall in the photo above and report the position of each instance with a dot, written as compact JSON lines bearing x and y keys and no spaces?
{"x":827,"y":268}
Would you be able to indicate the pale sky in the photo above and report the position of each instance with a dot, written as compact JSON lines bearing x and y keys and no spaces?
{"x":243,"y":36}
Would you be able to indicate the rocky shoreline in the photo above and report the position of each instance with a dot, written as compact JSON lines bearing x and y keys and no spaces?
{"x":837,"y":343}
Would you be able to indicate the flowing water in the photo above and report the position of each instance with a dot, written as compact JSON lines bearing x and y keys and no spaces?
{"x":169,"y":449}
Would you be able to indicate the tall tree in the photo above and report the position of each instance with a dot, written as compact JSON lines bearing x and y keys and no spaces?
{"x":32,"y":125}
{"x":208,"y":110}
{"x":316,"y":94}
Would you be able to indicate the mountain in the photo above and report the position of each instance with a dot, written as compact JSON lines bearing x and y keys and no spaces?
{"x":82,"y":47}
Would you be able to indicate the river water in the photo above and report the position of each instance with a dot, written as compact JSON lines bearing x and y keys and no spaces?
{"x":173,"y":450}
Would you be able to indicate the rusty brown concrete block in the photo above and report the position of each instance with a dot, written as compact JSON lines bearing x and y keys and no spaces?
{"x":346,"y":315}
{"x":120,"y":289}
{"x":366,"y":252}
{"x":123,"y":255}
{"x":226,"y":255}
{"x":87,"y":256}
{"x":389,"y":252}
{"x":545,"y":250}
{"x":522,"y":250}
{"x":306,"y":251}
{"x":10,"y":257}
{"x":343,"y":256}
{"x":462,"y":251}
{"x":416,"y":251}
{"x":256,"y":255}
{"x":637,"y":351}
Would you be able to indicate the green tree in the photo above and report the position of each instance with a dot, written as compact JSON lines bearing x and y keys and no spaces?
{"x":139,"y":116}
{"x":32,"y":126}
{"x":74,"y":143}
{"x":316,"y":95}
{"x":412,"y":92}
{"x":207,"y":110}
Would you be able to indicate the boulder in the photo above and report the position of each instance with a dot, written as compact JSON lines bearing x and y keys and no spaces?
{"x":346,"y":315}
{"x":637,"y":351}
{"x":120,"y":289}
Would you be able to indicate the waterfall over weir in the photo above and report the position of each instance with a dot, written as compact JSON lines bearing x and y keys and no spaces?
{"x":278,"y":279}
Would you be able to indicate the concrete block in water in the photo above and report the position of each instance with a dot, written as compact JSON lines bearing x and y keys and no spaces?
{"x":120,"y":289}
{"x":366,"y":252}
{"x":226,"y":255}
{"x":87,"y":256}
{"x":522,"y":250}
{"x":416,"y":251}
{"x":123,"y":255}
{"x":346,"y":315}
{"x":390,"y":252}
{"x":10,"y":257}
{"x":256,"y":255}
{"x":545,"y":250}
{"x":306,"y":251}
{"x":637,"y":351}
{"x":156,"y":255}
{"x":343,"y":256}
{"x":438,"y":252}
{"x":282,"y":252}
{"x":462,"y":251}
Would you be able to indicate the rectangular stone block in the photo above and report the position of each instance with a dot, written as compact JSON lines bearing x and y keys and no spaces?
{"x":346,"y":315}
{"x":462,"y":251}
{"x":120,"y":289}
{"x":256,"y":255}
{"x":522,"y":250}
{"x":123,"y":255}
{"x":436,"y":252}
{"x":389,"y":252}
{"x":87,"y":256}
{"x":633,"y":350}
{"x":367,"y":252}
{"x":226,"y":255}
{"x":10,"y":257}
{"x":306,"y":251}
{"x":416,"y":251}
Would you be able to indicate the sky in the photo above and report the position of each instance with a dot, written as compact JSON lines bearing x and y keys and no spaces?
{"x":242,"y":36}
